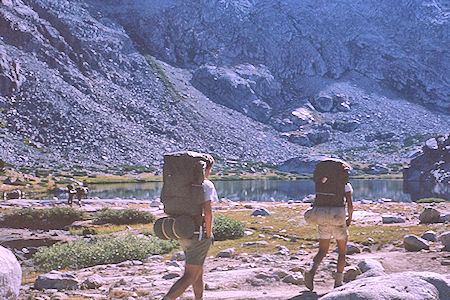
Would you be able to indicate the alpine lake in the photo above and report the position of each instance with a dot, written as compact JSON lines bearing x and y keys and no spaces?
{"x":266,"y":190}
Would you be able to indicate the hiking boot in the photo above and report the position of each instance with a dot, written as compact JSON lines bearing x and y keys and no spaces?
{"x":338,"y":279}
{"x":309,"y":280}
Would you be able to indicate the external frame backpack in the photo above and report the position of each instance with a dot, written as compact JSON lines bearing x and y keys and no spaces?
{"x":330,"y":177}
{"x":182,"y":195}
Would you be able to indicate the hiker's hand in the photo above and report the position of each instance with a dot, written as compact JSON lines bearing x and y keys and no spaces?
{"x":348,"y":222}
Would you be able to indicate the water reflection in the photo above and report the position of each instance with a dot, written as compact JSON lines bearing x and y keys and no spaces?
{"x":266,"y":190}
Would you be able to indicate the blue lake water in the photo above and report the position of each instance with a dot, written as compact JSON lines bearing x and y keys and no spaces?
{"x":263,"y":190}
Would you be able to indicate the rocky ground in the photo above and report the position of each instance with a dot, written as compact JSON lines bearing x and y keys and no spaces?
{"x":266,"y":264}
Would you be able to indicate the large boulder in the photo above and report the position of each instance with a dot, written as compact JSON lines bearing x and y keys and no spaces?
{"x":445,"y":240}
{"x":245,"y":88}
{"x":345,"y":126}
{"x":405,"y":286}
{"x":10,"y":275}
{"x":431,"y":169}
{"x":414,"y":243}
{"x":430,"y":215}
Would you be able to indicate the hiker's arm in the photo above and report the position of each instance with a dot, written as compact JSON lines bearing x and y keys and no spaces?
{"x":207,"y":209}
{"x":349,"y":200}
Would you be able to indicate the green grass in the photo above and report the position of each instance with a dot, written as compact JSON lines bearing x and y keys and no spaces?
{"x":415,"y":140}
{"x":98,"y":251}
{"x":123,"y":216}
{"x":31,"y":218}
{"x":170,"y":89}
{"x":431,"y":200}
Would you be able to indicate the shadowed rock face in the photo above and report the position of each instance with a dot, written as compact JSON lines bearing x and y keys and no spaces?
{"x":290,"y":75}
{"x":399,"y":44}
{"x":431,"y":168}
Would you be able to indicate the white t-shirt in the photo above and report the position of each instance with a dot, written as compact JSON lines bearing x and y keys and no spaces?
{"x":348,"y":188}
{"x":210,"y":191}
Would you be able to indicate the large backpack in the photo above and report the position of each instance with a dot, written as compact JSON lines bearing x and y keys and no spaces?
{"x":182,"y":193}
{"x":330,"y":177}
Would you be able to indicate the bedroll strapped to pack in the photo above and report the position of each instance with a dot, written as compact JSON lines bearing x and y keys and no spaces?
{"x":171,"y":228}
{"x":330,"y":177}
{"x":182,"y":192}
{"x":325,"y":215}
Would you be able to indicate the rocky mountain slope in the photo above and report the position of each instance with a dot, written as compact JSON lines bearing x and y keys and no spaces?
{"x":98,"y":83}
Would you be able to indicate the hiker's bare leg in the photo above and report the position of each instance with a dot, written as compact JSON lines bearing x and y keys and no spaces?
{"x":198,"y":286}
{"x":342,"y":251}
{"x":191,"y":273}
{"x":324,"y":245}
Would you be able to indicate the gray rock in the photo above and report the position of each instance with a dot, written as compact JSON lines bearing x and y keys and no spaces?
{"x":261,"y":212}
{"x":280,"y":274}
{"x":301,"y":116}
{"x":294,"y":278}
{"x":412,"y":242}
{"x":370,"y":264}
{"x":345,"y":126}
{"x":405,"y":285}
{"x":179,"y":256}
{"x":259,"y":243}
{"x":155,"y":203}
{"x":351,"y":272}
{"x":282,"y":250}
{"x":431,"y":168}
{"x":57,"y":280}
{"x":376,"y":169}
{"x":323,"y":103}
{"x":10,"y":275}
{"x":392,"y":219}
{"x":226,"y":253}
{"x":170,"y":276}
{"x":445,"y":240}
{"x":352,"y":248}
{"x":254,"y":86}
{"x":432,"y":144}
{"x":379,"y":136}
{"x":11,"y":77}
{"x":429,"y":215}
{"x":93,"y":282}
{"x":430,"y":235}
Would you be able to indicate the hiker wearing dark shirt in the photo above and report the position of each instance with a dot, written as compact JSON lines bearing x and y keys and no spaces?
{"x":326,"y":232}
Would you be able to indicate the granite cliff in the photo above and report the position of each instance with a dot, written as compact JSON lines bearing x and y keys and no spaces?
{"x":98,"y":83}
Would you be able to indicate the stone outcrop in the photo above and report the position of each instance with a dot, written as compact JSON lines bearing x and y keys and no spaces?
{"x":248,"y":89}
{"x":11,"y":77}
{"x":57,"y":280}
{"x":432,"y":168}
{"x":10,"y":275}
{"x":405,"y":285}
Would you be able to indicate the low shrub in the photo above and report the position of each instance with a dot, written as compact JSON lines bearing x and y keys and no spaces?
{"x":49,"y":218}
{"x":225,"y":228}
{"x":123,"y":216}
{"x":430,"y":200}
{"x":99,"y":251}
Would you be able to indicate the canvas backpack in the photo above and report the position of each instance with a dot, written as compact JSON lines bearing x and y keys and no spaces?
{"x":330,"y":177}
{"x":182,"y":193}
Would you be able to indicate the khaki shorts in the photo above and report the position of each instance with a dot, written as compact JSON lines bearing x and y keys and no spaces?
{"x":326,"y":232}
{"x":195,"y":251}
